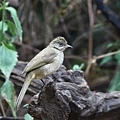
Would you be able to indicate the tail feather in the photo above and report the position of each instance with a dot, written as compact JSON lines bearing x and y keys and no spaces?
{"x":23,"y":91}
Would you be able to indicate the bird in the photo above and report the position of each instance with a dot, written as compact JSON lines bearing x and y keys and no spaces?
{"x":43,"y":64}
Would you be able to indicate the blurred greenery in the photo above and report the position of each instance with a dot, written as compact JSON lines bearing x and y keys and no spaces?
{"x":77,"y":67}
{"x":115,"y":83}
{"x":9,"y":31}
{"x":28,"y":117}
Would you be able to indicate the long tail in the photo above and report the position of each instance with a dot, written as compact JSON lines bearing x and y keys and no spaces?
{"x":23,"y":90}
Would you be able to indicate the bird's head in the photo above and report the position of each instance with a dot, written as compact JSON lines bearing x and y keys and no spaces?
{"x":59,"y":43}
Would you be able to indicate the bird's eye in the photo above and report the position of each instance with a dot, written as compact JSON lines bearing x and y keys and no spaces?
{"x":61,"y":44}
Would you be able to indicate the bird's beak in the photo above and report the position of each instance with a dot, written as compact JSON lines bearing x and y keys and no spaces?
{"x":69,"y":46}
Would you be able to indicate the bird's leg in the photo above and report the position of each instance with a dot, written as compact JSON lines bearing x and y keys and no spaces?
{"x":48,"y":80}
{"x":55,"y":78}
{"x":43,"y":81}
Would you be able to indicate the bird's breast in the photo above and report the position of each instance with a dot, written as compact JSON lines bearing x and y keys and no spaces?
{"x":54,"y":66}
{"x":51,"y":67}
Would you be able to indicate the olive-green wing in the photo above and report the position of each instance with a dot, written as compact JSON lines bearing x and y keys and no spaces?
{"x":44,"y":57}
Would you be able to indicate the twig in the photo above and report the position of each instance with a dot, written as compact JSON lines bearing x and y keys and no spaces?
{"x":2,"y":109}
{"x":91,"y":23}
{"x":105,"y":55}
{"x":95,"y":58}
{"x":90,"y":44}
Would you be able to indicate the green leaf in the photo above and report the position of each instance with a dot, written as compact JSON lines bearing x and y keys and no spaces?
{"x":82,"y":65}
{"x":12,"y":27}
{"x":16,"y":21}
{"x":7,"y":92}
{"x":10,"y":46}
{"x":8,"y":59}
{"x":115,"y":84}
{"x":28,"y":117}
{"x":5,"y":26}
{"x":110,"y":45}
{"x":76,"y":67}
{"x":117,"y":56}
{"x":6,"y":4}
{"x":105,"y":60}
{"x":1,"y":8}
{"x":12,"y":30}
{"x":25,"y":106}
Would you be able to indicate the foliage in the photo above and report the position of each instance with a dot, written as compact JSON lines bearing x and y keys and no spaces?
{"x":9,"y":31}
{"x":16,"y":21}
{"x":28,"y":117}
{"x":7,"y":92}
{"x":77,"y":67}
{"x":105,"y":60}
{"x":8,"y":59}
{"x":115,"y":83}
{"x":44,"y":20}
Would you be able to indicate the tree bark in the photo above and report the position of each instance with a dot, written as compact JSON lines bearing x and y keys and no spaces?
{"x":66,"y":96}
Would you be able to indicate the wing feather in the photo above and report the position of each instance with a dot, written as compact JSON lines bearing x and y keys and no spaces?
{"x":44,"y":57}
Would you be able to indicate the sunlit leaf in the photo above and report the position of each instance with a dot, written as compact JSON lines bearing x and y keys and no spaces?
{"x":76,"y":67}
{"x":28,"y":117}
{"x":7,"y":92}
{"x":16,"y":21}
{"x":6,"y":4}
{"x":8,"y":59}
{"x":5,"y":26}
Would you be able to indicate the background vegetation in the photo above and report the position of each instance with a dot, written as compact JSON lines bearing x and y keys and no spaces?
{"x":92,"y":33}
{"x":85,"y":27}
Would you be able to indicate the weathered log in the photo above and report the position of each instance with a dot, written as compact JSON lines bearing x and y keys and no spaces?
{"x":66,"y":96}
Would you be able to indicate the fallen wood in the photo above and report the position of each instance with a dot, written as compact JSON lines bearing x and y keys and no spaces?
{"x":68,"y":101}
{"x":66,"y":96}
